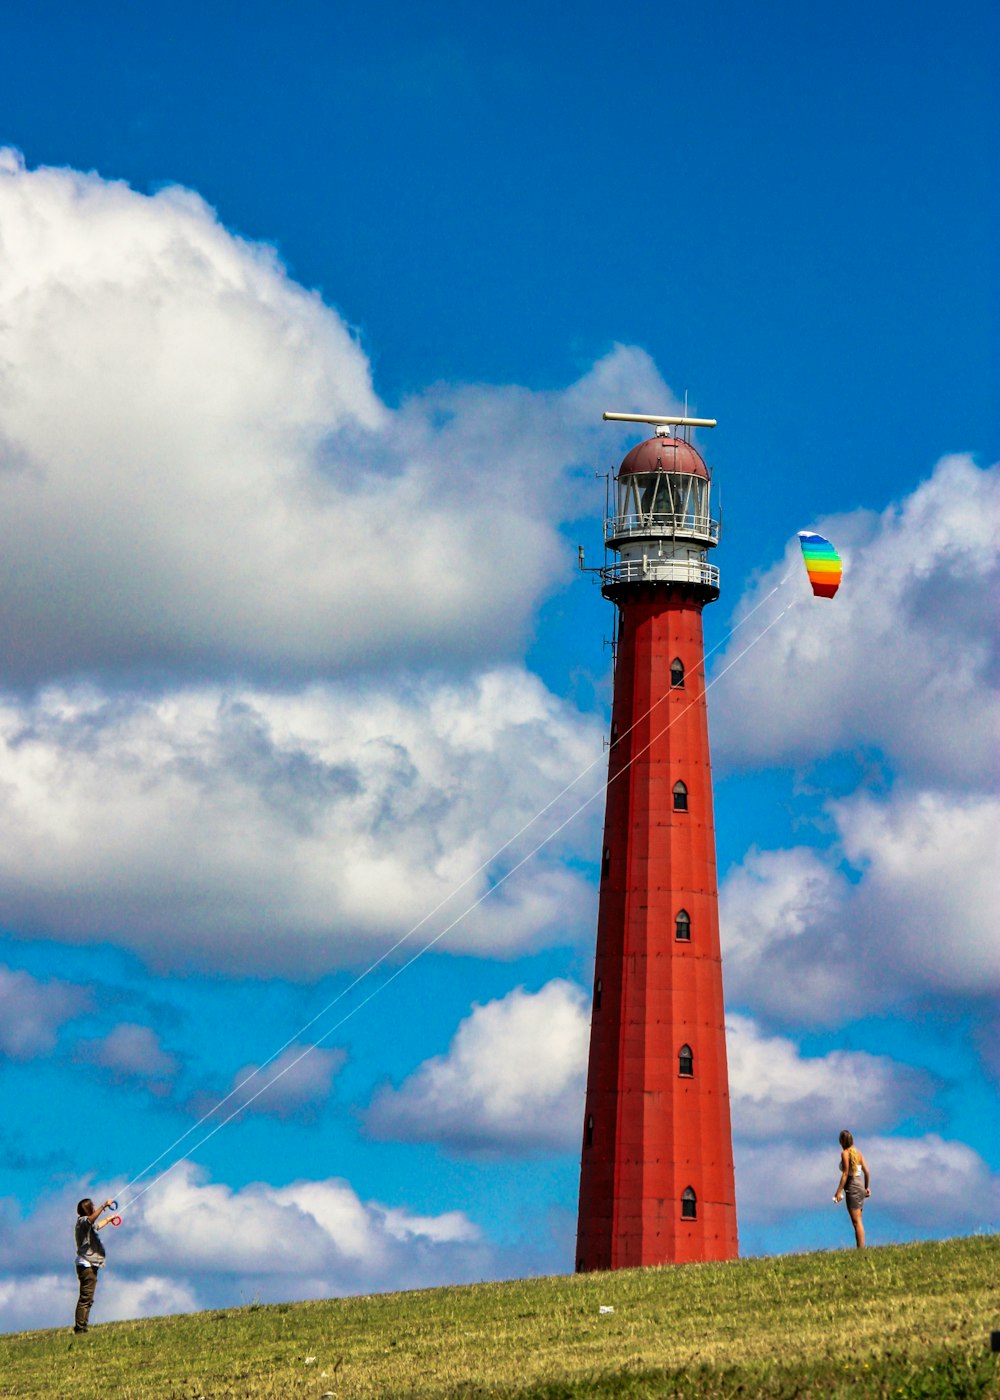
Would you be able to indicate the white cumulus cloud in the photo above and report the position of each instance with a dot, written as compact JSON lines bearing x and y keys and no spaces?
{"x":904,"y":660}
{"x":784,"y":909}
{"x":512,"y":1081}
{"x":514,"y":1075}
{"x":928,"y":1183}
{"x":914,"y":910}
{"x":934,"y":1182}
{"x":196,"y":473}
{"x":293,"y":831}
{"x":293,"y":1085}
{"x":930,"y":891}
{"x":777,"y":1092}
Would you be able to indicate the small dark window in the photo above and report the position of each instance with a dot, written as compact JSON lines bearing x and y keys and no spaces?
{"x":614,"y":735}
{"x":677,"y":673}
{"x":685,"y":1061}
{"x":606,"y":863}
{"x":689,"y":1205}
{"x":588,"y":1132}
{"x":598,"y":993}
{"x":682,"y":926}
{"x":680,"y":797}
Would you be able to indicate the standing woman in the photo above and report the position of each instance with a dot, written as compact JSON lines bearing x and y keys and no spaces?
{"x":852,"y":1167}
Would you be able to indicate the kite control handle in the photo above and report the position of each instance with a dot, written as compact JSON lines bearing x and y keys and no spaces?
{"x":113,"y":1205}
{"x":116,"y":1220}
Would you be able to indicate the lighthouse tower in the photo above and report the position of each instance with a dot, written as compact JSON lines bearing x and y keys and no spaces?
{"x":656,"y":1173}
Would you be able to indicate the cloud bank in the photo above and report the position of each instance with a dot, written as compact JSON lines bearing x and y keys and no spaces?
{"x":293,"y":1085}
{"x":905,"y":660}
{"x":925,"y":1184}
{"x":921,"y":901}
{"x":193,"y":1244}
{"x":776,"y":1091}
{"x":196,"y":474}
{"x":256,"y":830}
{"x":514,"y":1076}
{"x":512,"y":1080}
{"x":901,"y":669}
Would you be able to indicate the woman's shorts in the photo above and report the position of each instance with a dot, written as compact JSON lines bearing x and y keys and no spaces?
{"x":854,"y":1193}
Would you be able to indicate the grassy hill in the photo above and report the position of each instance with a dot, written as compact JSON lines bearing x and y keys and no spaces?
{"x":902,"y":1321}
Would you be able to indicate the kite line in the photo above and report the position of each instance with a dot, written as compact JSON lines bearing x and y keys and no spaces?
{"x":210,"y":1113}
{"x":598,"y":792}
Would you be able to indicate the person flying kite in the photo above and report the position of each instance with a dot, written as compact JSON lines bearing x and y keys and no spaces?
{"x":90,"y":1254}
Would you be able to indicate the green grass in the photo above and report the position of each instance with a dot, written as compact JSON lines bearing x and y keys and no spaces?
{"x":910,"y":1321}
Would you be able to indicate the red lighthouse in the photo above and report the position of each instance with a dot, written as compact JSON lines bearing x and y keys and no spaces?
{"x":656,"y":1173}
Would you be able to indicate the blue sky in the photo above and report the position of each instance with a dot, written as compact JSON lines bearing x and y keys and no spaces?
{"x":307,"y":320}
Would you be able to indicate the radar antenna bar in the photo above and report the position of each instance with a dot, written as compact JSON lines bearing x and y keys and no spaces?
{"x":661,"y":418}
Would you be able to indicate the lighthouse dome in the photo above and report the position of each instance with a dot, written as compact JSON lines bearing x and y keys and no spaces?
{"x":664,"y":454}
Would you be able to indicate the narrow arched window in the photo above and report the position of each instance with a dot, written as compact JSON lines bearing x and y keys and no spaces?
{"x":598,"y":993}
{"x":685,"y":1061}
{"x":606,"y":863}
{"x":588,"y":1132}
{"x":689,"y":1204}
{"x":682,"y":926}
{"x":677,"y":674}
{"x":680,"y":797}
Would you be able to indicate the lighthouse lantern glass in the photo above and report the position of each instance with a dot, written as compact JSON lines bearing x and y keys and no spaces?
{"x":664,"y":497}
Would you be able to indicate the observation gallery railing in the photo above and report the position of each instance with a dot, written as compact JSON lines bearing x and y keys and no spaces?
{"x":660,"y":571}
{"x":657,"y":523}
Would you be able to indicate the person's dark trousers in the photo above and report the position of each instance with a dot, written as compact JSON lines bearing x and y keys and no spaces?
{"x":88,"y":1287}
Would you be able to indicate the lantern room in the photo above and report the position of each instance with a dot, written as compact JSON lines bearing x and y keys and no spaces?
{"x":663,"y":528}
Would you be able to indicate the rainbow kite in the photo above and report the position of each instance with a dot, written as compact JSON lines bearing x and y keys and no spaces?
{"x":822,"y":564}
